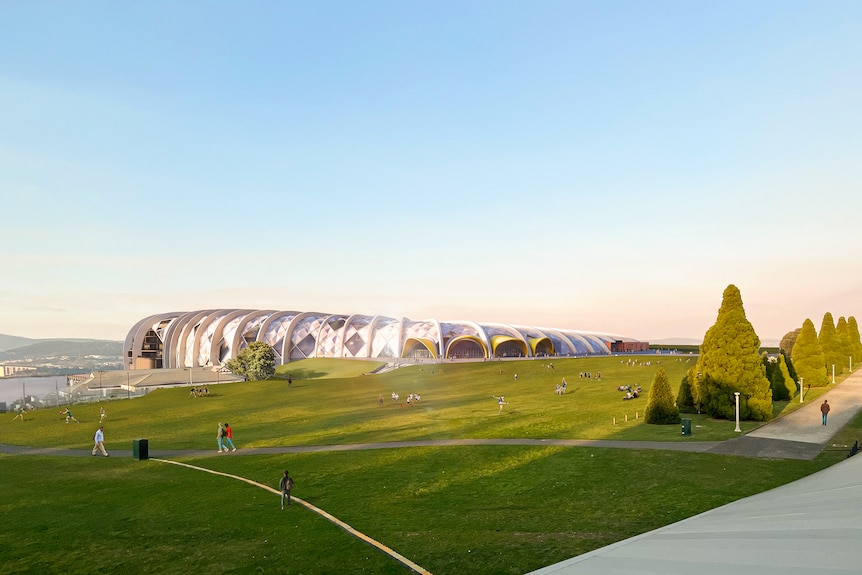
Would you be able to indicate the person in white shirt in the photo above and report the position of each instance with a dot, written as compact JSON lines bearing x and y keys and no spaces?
{"x":99,"y":438}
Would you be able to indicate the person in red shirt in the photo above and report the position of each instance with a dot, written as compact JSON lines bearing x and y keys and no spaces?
{"x":228,"y":437}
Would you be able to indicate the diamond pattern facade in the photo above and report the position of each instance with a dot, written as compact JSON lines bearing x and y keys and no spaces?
{"x":212,"y":337}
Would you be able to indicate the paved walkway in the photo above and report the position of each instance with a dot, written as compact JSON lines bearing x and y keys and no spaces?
{"x":800,"y":435}
{"x":694,"y":446}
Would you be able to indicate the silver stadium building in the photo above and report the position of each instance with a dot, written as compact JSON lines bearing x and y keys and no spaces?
{"x":211,"y":337}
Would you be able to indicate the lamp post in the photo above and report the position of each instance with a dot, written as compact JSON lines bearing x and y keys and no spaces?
{"x":129,"y":385}
{"x":833,"y":373}
{"x":736,"y":396}
{"x":801,"y":389}
{"x":101,"y":391}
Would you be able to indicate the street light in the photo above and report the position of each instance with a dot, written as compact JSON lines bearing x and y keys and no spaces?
{"x":736,"y":396}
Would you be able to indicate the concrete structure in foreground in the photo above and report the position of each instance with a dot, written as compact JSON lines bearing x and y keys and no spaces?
{"x":211,"y":337}
{"x":810,"y":526}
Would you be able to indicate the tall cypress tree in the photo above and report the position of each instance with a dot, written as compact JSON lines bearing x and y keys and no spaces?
{"x":855,"y":341}
{"x":830,"y":345}
{"x":786,"y":344}
{"x":777,"y":384}
{"x":788,"y":364}
{"x":685,"y":397}
{"x":661,"y":407}
{"x":843,"y":332}
{"x":808,"y":357}
{"x":730,"y":362}
{"x":789,"y":382}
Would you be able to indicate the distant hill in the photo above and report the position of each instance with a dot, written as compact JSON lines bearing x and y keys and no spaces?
{"x":13,"y":341}
{"x":61,"y":356}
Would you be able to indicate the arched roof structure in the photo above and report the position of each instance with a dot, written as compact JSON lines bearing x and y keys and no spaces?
{"x":211,"y":337}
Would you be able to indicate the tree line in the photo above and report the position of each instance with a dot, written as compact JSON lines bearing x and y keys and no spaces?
{"x":730,"y":362}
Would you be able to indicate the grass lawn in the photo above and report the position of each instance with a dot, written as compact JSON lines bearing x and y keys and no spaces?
{"x":452,"y":510}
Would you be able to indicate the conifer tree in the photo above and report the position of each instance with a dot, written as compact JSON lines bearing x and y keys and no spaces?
{"x":788,"y":340}
{"x":661,"y":407}
{"x":685,"y":398}
{"x":830,"y":345}
{"x":843,"y":331}
{"x":729,"y":362}
{"x":788,"y":363}
{"x":777,"y":383}
{"x":789,"y":381}
{"x":768,"y":365}
{"x":855,"y":341}
{"x":808,"y":357}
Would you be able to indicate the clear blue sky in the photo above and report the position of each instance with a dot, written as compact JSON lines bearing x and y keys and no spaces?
{"x":607,"y":166}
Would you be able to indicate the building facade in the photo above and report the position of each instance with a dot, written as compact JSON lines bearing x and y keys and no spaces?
{"x":211,"y":337}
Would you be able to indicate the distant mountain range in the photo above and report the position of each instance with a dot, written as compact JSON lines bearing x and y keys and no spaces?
{"x":60,"y":356}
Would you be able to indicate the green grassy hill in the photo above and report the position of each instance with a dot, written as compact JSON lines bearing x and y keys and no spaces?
{"x":453,"y":509}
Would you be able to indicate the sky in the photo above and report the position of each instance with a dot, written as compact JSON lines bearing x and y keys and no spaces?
{"x":607,"y":166}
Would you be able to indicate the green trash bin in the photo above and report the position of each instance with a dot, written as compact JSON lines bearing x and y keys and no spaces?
{"x":140,"y":449}
{"x":686,"y":426}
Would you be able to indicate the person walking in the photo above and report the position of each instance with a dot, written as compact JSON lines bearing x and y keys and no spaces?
{"x":99,"y":439}
{"x":285,"y":485}
{"x":220,"y":438}
{"x":824,"y":409}
{"x":228,"y":437}
{"x":102,"y":414}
